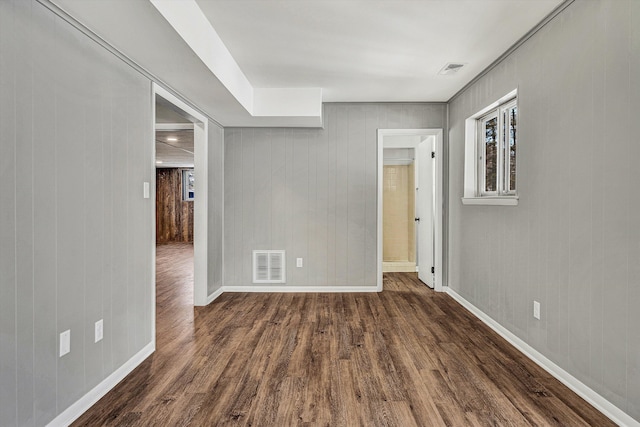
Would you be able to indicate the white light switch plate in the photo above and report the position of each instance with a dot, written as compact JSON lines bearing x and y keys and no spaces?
{"x":145,"y":190}
{"x":298,"y":262}
{"x":65,"y":342}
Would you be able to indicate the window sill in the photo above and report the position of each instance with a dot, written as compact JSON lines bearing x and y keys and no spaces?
{"x":491,"y":201}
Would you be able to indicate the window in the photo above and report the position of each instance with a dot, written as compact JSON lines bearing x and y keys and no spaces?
{"x":497,"y":150}
{"x":490,"y":154}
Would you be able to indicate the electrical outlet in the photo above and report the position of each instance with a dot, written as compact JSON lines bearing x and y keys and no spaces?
{"x":65,"y":342}
{"x":536,"y":310}
{"x":98,"y":330}
{"x":298,"y":262}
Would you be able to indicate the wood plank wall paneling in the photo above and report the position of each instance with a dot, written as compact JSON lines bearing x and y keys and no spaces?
{"x":75,"y":237}
{"x":312,"y":192}
{"x":573,"y":242}
{"x":174,"y":216}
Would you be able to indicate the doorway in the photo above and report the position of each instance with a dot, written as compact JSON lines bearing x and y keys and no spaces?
{"x":175,"y":120}
{"x":425,"y":155}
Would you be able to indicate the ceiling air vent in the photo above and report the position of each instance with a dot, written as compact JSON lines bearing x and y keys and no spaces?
{"x":268,"y":267}
{"x":451,"y":68}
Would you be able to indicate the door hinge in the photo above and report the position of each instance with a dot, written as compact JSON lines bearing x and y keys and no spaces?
{"x":433,"y":154}
{"x":433,"y":270}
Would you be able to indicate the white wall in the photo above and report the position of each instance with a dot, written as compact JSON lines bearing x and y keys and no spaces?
{"x":573,"y":242}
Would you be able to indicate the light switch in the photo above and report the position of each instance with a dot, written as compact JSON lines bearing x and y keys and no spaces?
{"x":65,"y":342}
{"x":145,"y":190}
{"x":298,"y":262}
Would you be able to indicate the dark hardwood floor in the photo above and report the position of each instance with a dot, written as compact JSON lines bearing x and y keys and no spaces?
{"x":403,"y":357}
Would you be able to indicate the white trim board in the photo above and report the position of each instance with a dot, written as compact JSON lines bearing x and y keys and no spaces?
{"x":78,"y":408}
{"x":214,"y":295}
{"x":614,"y":413}
{"x":300,"y":289}
{"x":169,"y":127}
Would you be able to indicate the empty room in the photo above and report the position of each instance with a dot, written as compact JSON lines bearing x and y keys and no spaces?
{"x":319,"y":213}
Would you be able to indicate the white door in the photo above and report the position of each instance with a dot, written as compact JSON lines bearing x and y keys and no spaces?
{"x":425,"y":164}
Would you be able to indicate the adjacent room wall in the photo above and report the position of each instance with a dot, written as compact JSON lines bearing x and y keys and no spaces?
{"x":174,"y":216}
{"x":312,"y":192}
{"x":399,"y":234}
{"x":76,"y":240}
{"x":573,"y":242}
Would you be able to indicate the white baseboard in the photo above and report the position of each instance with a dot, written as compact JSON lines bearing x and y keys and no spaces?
{"x":614,"y":413}
{"x":399,"y":267}
{"x":214,"y":295}
{"x":74,"y":411}
{"x":299,"y":289}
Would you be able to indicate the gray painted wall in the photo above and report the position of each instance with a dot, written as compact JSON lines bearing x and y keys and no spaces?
{"x":215,"y":208}
{"x":312,"y":192}
{"x":573,"y":243}
{"x":75,"y":237}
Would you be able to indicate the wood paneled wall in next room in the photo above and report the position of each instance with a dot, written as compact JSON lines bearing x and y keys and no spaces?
{"x":174,"y":217}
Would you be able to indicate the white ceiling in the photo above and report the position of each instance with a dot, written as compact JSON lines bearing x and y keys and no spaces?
{"x":174,"y":149}
{"x":355,"y":50}
{"x":370,"y":50}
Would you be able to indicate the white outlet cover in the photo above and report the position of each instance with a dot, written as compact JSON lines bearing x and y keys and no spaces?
{"x":536,"y":310}
{"x":65,"y":342}
{"x":99,"y":330}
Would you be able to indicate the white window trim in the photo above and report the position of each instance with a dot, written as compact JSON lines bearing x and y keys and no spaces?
{"x":472,"y":195}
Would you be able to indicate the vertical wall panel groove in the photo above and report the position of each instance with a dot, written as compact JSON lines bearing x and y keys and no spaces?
{"x":8,"y":295}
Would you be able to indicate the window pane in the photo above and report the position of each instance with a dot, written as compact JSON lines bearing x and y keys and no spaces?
{"x":491,"y":154}
{"x":513,"y":114}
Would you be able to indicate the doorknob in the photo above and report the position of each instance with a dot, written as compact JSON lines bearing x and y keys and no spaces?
{"x":416,"y":219}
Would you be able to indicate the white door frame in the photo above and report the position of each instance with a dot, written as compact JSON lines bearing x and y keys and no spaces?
{"x":437,"y":134}
{"x":200,"y":203}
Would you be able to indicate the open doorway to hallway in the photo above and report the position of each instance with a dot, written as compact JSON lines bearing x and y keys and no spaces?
{"x":413,"y":162}
{"x":175,"y":194}
{"x":181,"y":135}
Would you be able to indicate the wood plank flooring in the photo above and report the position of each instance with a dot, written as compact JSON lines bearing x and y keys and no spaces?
{"x":403,"y":357}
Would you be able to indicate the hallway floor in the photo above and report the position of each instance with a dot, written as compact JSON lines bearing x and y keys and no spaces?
{"x":403,"y":357}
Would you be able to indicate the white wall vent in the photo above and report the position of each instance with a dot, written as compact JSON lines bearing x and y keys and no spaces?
{"x":269,"y":266}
